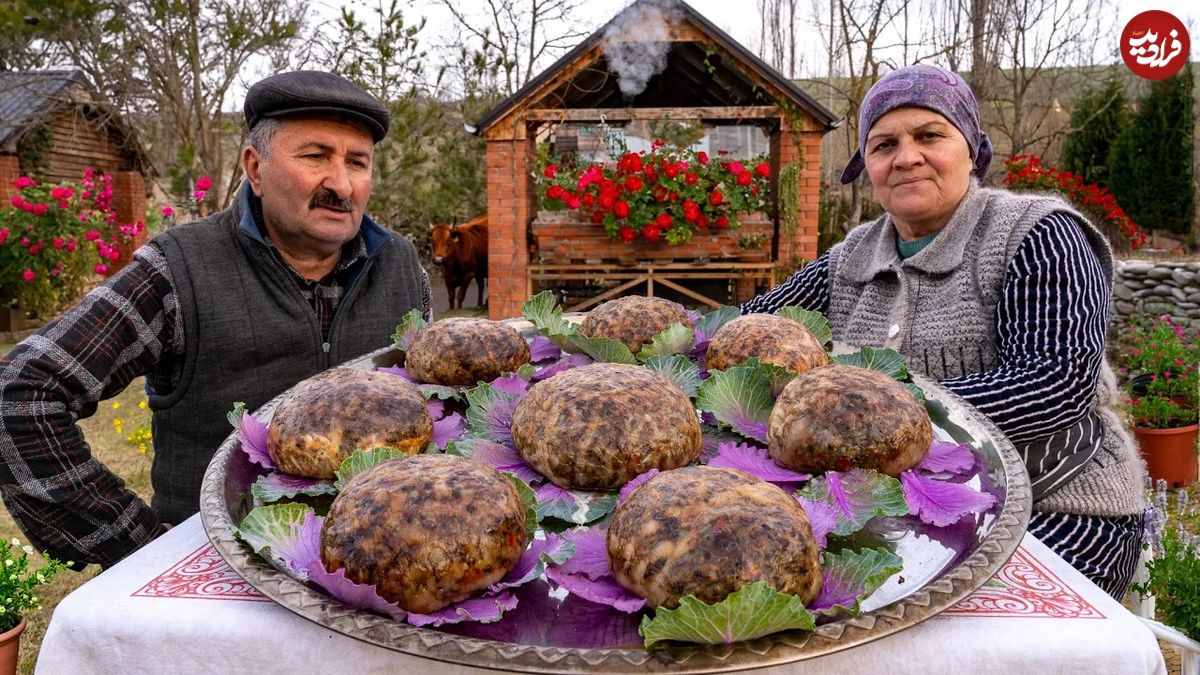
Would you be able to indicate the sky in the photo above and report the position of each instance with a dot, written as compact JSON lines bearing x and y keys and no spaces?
{"x":738,"y":18}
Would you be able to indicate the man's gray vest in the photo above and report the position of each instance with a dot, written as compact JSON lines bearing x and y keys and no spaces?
{"x":249,"y":335}
{"x":938,"y":308}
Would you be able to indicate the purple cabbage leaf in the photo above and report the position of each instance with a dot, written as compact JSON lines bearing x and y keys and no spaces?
{"x":252,"y":434}
{"x":740,"y":398}
{"x":948,"y":457}
{"x":749,"y":612}
{"x":677,"y":368}
{"x":542,"y":349}
{"x":941,"y":503}
{"x":410,"y":326}
{"x":856,"y":496}
{"x":675,"y":339}
{"x":850,"y":576}
{"x":755,"y":461}
{"x":276,"y":486}
{"x":628,"y":488}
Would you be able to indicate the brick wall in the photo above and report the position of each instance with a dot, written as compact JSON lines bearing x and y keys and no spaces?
{"x":10,"y":170}
{"x":803,"y":242}
{"x":129,"y":201}
{"x":509,"y":209}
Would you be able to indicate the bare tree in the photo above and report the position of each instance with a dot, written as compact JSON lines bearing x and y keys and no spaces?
{"x":170,"y":65}
{"x":519,"y":34}
{"x":1046,"y":49}
{"x":777,"y":35}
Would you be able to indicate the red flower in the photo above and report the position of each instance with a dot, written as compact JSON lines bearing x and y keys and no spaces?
{"x":721,"y":222}
{"x":550,"y":171}
{"x":17,"y":201}
{"x":203,"y":183}
{"x":28,"y":275}
{"x":588,"y":200}
{"x":744,"y":178}
{"x":735,"y":167}
{"x":702,"y":157}
{"x":597,"y":217}
{"x":716,"y":198}
{"x":555,"y":192}
{"x":40,"y":209}
{"x":59,"y":243}
{"x":663,"y":220}
{"x":621,"y":209}
{"x":691,"y":179}
{"x":573,"y":202}
{"x":22,"y":183}
{"x":627,"y":234}
{"x":651,"y":233}
{"x":763,"y":170}
{"x":633,"y":184}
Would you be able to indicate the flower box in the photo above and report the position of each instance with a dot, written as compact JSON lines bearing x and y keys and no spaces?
{"x":562,"y":237}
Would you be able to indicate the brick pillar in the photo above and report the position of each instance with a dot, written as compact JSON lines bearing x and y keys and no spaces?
{"x":10,"y":170}
{"x":803,"y":243}
{"x":129,"y":202}
{"x":510,"y":207}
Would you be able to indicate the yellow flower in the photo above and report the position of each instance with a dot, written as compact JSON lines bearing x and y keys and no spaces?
{"x":142,"y":405}
{"x":116,"y":405}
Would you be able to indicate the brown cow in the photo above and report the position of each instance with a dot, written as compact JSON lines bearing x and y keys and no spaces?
{"x":460,"y":250}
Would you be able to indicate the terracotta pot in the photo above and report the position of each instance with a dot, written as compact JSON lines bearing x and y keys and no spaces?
{"x":10,"y":646}
{"x":1170,"y":453}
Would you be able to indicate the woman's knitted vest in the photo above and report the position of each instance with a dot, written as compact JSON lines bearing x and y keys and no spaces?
{"x":938,"y":308}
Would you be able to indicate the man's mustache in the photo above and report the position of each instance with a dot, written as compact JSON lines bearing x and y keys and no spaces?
{"x":329,"y":199}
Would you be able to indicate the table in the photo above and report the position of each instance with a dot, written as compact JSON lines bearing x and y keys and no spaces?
{"x":175,"y":606}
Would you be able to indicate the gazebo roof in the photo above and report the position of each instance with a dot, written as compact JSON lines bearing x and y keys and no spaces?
{"x":695,"y":75}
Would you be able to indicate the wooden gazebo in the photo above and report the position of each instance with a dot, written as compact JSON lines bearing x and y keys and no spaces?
{"x":704,"y":76}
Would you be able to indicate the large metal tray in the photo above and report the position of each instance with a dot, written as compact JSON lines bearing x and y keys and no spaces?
{"x":940,"y":568}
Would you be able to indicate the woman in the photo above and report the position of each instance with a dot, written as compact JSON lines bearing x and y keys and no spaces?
{"x":1002,"y":298}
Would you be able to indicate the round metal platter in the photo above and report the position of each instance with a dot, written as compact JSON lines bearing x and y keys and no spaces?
{"x":941,"y":566}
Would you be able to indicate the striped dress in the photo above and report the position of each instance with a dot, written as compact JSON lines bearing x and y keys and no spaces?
{"x":1055,"y":295}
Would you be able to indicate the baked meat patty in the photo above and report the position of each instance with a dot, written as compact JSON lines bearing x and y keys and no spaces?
{"x":633,"y":320}
{"x":323,"y":420}
{"x":708,"y":531}
{"x":462,"y":352}
{"x":428,"y":531}
{"x":598,"y":426}
{"x":773,"y":339}
{"x":839,"y":417}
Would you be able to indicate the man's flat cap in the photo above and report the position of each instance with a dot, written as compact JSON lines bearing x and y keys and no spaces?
{"x":303,"y":92}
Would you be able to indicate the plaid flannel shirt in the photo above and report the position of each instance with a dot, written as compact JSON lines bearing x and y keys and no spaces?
{"x":61,"y":496}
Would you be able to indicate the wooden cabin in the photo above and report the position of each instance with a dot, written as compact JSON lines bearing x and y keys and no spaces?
{"x":52,"y":128}
{"x":698,"y":75}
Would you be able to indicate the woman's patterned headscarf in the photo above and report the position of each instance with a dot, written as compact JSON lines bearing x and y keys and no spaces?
{"x":923,"y":86}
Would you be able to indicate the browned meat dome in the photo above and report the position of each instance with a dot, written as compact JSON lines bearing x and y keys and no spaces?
{"x":707,"y":531}
{"x":773,"y":339}
{"x":633,"y":320}
{"x":428,"y":531}
{"x":598,"y":426}
{"x":839,"y":417}
{"x":462,"y":352}
{"x":323,"y":420}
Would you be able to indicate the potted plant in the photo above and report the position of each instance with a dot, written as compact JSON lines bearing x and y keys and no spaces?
{"x":17,"y":585}
{"x":668,"y":194}
{"x":1171,"y":581}
{"x":1163,"y":389}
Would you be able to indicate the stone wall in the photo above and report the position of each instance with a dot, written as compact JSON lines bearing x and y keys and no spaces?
{"x":1157,"y":287}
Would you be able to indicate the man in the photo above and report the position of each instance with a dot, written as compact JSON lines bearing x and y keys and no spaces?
{"x":290,"y":280}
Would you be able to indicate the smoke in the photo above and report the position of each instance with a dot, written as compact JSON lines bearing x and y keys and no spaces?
{"x":636,"y":45}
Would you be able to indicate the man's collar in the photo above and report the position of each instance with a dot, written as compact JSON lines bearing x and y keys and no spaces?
{"x":374,"y":237}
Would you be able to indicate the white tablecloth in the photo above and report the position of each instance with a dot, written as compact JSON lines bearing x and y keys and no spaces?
{"x":174,"y":606}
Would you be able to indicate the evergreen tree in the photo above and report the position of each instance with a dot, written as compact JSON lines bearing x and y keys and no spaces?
{"x":1151,"y":162}
{"x":1099,"y":117}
